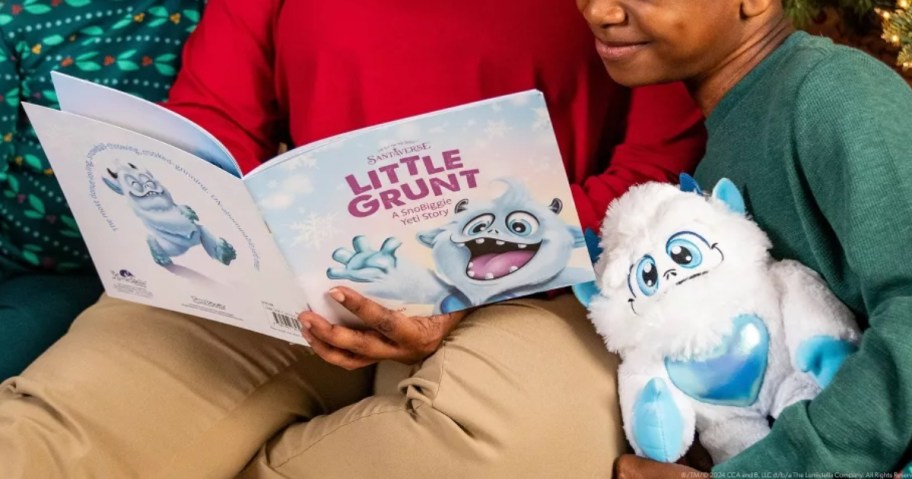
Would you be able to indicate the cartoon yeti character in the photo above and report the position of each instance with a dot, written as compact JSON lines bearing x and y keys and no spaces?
{"x":492,"y":251}
{"x":713,"y":333}
{"x":173,"y":228}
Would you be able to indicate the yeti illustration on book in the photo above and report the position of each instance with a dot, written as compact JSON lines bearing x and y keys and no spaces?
{"x":173,"y":229}
{"x":491,"y":251}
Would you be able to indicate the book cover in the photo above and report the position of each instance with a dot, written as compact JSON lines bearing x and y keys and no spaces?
{"x":440,"y":212}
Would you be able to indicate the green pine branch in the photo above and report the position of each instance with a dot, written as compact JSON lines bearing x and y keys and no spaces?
{"x":803,"y":12}
{"x":897,"y":30}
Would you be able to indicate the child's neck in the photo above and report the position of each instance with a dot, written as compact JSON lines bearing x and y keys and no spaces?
{"x":711,"y":87}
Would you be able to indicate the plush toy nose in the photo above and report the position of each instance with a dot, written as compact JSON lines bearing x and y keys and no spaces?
{"x":670,"y":273}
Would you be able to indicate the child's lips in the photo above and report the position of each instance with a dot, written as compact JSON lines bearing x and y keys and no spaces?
{"x":615,"y":51}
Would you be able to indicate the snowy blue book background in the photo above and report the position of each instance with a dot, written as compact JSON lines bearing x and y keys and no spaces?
{"x":439,"y":212}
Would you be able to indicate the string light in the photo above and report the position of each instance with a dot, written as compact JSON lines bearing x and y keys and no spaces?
{"x":895,"y":17}
{"x":897,"y":30}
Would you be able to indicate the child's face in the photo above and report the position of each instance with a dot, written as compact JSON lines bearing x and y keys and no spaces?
{"x":644,"y":42}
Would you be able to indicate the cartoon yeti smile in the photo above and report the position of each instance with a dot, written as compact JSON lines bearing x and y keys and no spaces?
{"x":147,"y":194}
{"x":492,"y":258}
{"x":500,"y":246}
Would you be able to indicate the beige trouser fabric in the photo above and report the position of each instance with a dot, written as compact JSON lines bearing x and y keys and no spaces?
{"x":522,"y":389}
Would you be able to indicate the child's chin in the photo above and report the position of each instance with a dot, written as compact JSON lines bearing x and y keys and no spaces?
{"x":633,"y":77}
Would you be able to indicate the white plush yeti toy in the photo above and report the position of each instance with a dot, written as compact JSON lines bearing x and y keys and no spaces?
{"x":713,"y":333}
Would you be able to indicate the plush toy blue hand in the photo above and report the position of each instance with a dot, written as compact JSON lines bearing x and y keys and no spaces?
{"x":658,"y":427}
{"x":821,"y":357}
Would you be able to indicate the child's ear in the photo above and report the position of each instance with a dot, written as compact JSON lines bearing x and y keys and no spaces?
{"x":753,"y":8}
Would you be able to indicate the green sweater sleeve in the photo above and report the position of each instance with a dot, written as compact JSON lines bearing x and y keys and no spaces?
{"x":854,"y":149}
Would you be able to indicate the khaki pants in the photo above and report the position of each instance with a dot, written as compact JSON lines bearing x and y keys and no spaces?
{"x":523,"y":389}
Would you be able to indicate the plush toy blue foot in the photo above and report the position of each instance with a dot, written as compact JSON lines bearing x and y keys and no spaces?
{"x":658,"y":427}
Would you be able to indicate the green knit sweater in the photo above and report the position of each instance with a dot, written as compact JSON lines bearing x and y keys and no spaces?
{"x":132,"y":45}
{"x":818,"y":139}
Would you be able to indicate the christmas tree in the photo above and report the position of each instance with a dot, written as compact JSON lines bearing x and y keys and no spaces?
{"x":858,"y":17}
{"x":803,"y":12}
{"x":897,"y":29}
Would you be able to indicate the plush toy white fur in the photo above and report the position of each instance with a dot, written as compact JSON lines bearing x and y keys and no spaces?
{"x":714,"y":334}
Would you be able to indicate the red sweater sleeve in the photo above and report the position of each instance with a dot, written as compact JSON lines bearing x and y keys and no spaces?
{"x":664,"y":137}
{"x":226,"y":84}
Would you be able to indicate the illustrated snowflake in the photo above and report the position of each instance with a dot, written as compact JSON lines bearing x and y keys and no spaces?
{"x":314,"y":230}
{"x":496,"y":129}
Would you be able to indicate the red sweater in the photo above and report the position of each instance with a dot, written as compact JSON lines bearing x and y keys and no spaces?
{"x":258,"y":73}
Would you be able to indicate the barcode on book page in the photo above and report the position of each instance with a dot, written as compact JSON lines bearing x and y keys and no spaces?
{"x":286,"y":321}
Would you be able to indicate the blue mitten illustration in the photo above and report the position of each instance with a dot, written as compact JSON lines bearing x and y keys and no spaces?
{"x":364,"y":264}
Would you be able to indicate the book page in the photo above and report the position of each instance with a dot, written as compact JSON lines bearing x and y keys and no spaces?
{"x":167,"y":229}
{"x":440,"y":212}
{"x":115,"y":107}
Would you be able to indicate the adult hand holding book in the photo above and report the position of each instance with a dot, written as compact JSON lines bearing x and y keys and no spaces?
{"x":392,"y":335}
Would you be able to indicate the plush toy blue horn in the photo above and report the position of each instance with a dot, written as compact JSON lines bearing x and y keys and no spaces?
{"x":688,"y":184}
{"x":725,"y":191}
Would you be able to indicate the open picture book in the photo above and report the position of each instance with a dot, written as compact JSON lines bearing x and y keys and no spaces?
{"x":435,"y":213}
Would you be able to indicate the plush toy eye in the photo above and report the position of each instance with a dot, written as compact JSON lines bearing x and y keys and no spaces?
{"x":684,"y":252}
{"x":647,"y":276}
{"x":478,"y":225}
{"x":522,"y":223}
